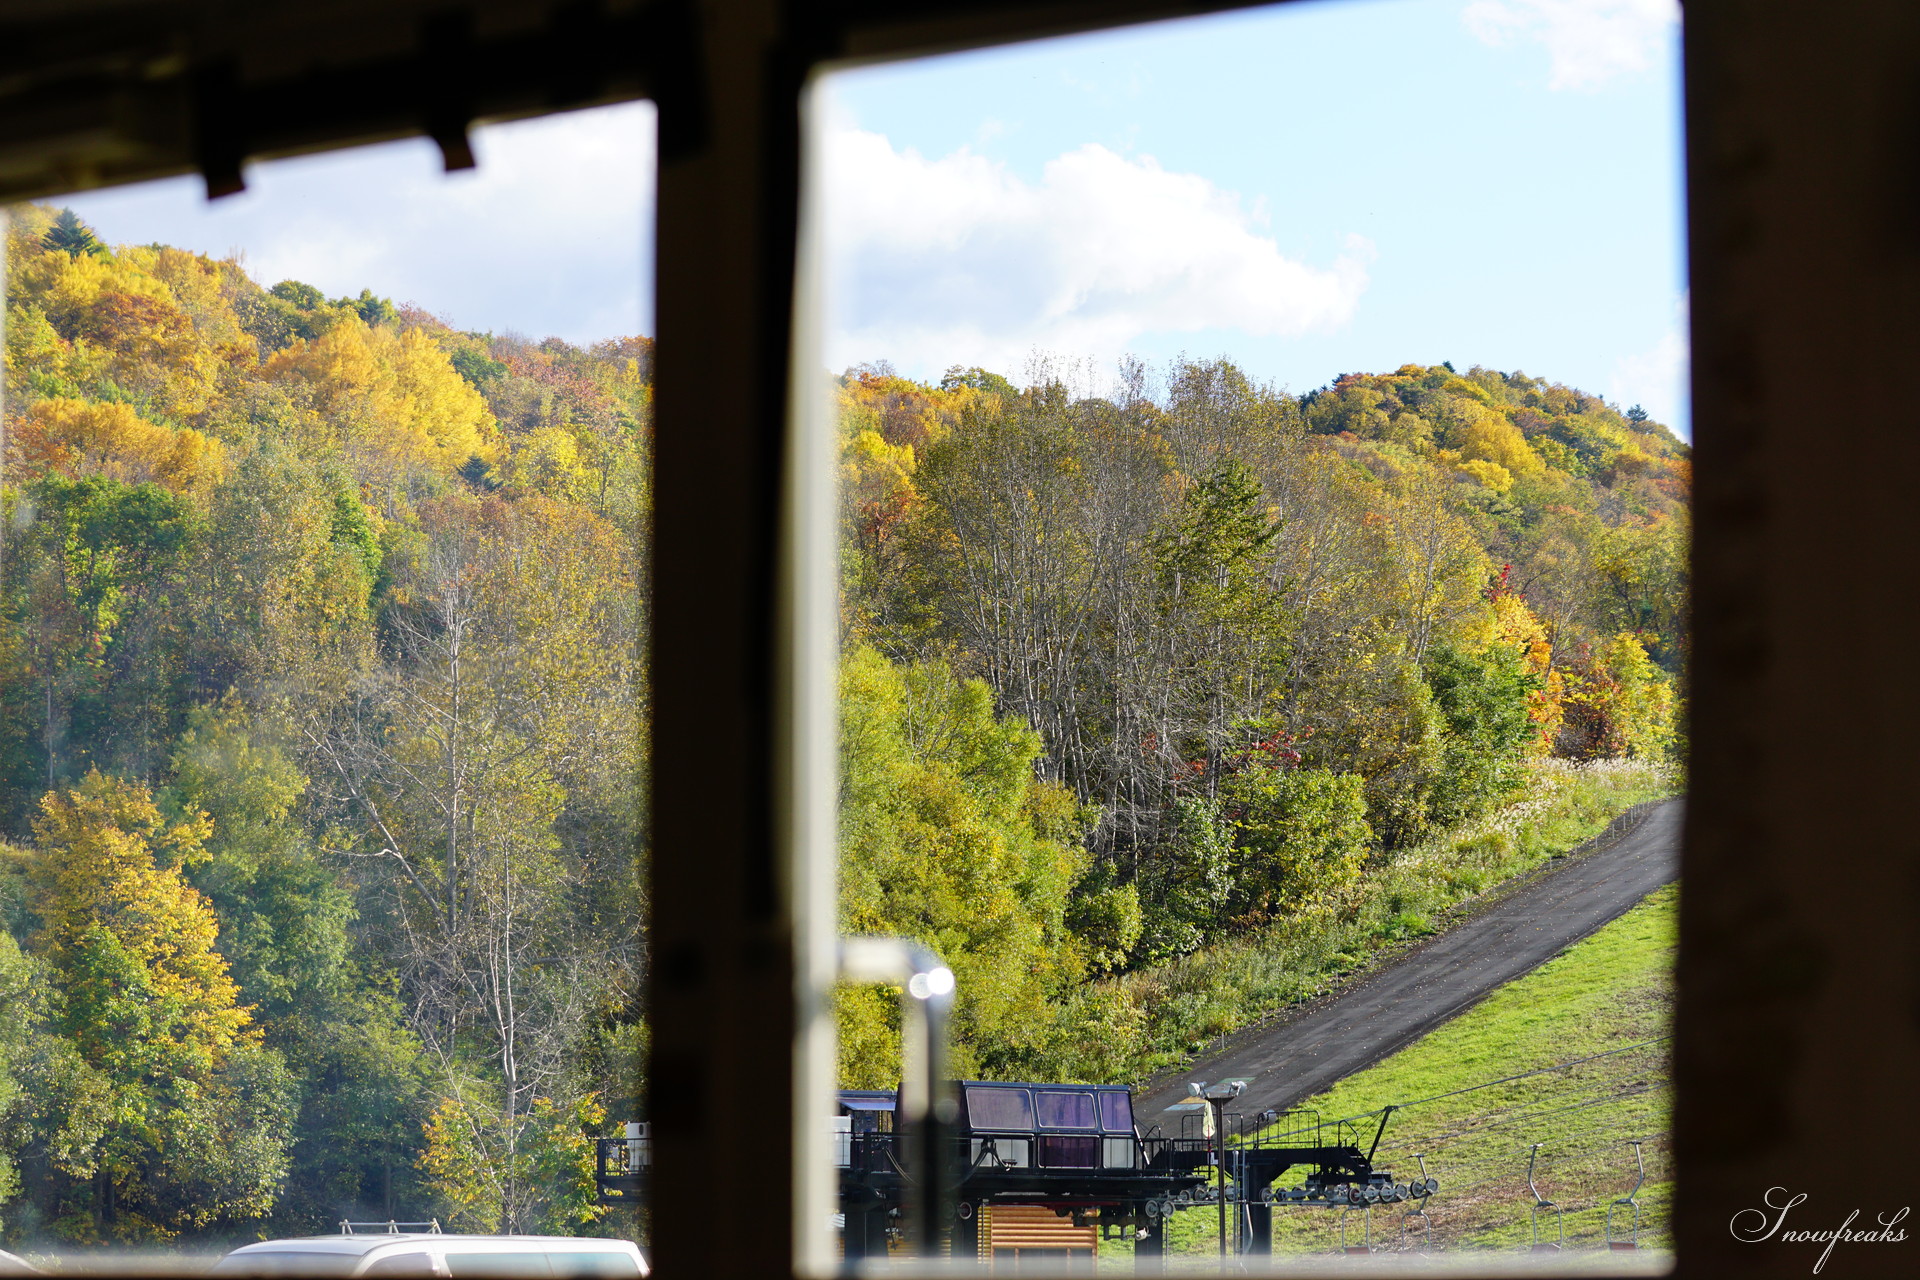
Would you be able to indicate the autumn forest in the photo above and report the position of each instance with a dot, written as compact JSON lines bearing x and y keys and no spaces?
{"x":324,"y":717}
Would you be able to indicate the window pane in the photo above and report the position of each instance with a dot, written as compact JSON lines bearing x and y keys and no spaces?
{"x":1174,"y":684}
{"x":1065,"y":1110}
{"x":328,"y":586}
{"x":270,"y":1263}
{"x":599,"y":1266}
{"x":461,"y":1265}
{"x":999,"y":1108}
{"x":1059,"y":1151}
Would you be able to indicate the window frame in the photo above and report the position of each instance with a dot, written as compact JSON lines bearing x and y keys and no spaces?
{"x":1800,"y":217}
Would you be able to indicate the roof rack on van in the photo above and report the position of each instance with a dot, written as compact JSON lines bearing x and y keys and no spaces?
{"x":389,"y":1227}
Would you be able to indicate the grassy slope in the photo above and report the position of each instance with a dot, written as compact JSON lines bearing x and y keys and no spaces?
{"x":1612,"y":990}
{"x":1177,"y":1010}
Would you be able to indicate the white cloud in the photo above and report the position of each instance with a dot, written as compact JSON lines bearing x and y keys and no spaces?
{"x":549,"y":235}
{"x":1588,"y":41}
{"x":1657,"y":378}
{"x":957,"y":260}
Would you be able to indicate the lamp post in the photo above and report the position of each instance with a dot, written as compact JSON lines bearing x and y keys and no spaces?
{"x":1216,"y":1098}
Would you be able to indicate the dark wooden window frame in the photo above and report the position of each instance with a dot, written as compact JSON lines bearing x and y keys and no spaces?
{"x":1799,"y":1028}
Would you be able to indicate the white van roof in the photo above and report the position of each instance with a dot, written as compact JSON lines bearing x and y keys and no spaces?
{"x":364,"y":1242}
{"x":280,"y":1256}
{"x":333,"y":1244}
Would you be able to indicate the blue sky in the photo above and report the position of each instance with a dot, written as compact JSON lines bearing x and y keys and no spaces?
{"x":1311,"y":189}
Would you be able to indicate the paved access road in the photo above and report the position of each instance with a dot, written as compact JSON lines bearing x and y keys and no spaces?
{"x":1307,"y":1051}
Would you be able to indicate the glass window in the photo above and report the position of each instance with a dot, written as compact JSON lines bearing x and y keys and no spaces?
{"x":1197,"y":587}
{"x":285,"y":1263}
{"x":497,"y":1264}
{"x":999,"y":1109}
{"x":352,"y":675}
{"x":595,"y":1264}
{"x":1063,"y":1151}
{"x":1066,"y":1110}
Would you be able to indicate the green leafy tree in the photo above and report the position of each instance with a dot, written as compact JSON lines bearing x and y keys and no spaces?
{"x":299,"y":294}
{"x":94,"y":596}
{"x":71,"y":236}
{"x":1188,"y":882}
{"x":1223,"y":624}
{"x":283,"y":915}
{"x":21,"y":1005}
{"x":371,"y":310}
{"x":367,"y":1086}
{"x":541,"y":1180}
{"x":980,"y":380}
{"x":1300,"y":835}
{"x":947,"y":838}
{"x":1484,"y":699}
{"x":476,"y":366}
{"x":1106,"y":917}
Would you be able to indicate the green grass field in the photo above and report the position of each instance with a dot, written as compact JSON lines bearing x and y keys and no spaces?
{"x":1612,"y":991}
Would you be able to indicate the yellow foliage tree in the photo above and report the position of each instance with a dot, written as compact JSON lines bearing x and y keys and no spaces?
{"x":1515,"y":626}
{"x":547,"y":461}
{"x":1490,"y":436}
{"x":129,"y":941}
{"x":1624,"y":702}
{"x":433,"y":400}
{"x":162,"y":1110}
{"x":196,"y":285}
{"x":128,"y":327}
{"x":77,"y":437}
{"x":530,"y":1172}
{"x":339,"y":366}
{"x":392,"y":398}
{"x":1642,"y":697}
{"x":1491,"y":474}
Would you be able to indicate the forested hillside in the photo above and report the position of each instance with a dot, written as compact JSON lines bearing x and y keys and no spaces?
{"x":321,"y":751}
{"x":323,"y":715}
{"x":1247,"y":651}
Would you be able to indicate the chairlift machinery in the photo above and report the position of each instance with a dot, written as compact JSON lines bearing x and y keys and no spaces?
{"x":621,"y":1165}
{"x":1076,"y":1150}
{"x":1424,"y":1187}
{"x":1630,"y":1200}
{"x":1540,"y":1202}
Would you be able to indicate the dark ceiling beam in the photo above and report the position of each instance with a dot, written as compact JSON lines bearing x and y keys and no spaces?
{"x":165,"y":90}
{"x":97,"y":93}
{"x":877,"y":30}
